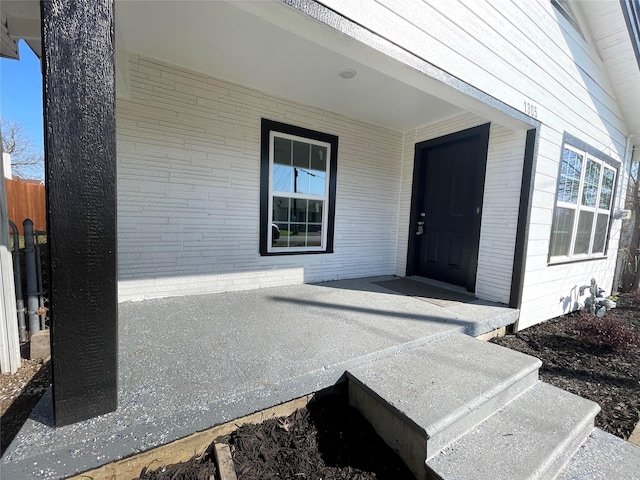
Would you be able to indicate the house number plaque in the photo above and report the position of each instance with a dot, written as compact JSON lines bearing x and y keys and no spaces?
{"x":531,"y":109}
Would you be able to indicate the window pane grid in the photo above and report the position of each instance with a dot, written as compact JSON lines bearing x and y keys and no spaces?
{"x":580,"y":229}
{"x":607,"y":188}
{"x":570,"y":176}
{"x":299,"y":222}
{"x":591,"y":184}
{"x":298,"y":194}
{"x":600,"y":238}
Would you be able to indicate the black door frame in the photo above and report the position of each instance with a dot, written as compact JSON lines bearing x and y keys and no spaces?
{"x":482,"y":132}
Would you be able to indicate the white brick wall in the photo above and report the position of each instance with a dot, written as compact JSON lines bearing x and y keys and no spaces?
{"x":500,"y":203}
{"x":188,"y":196}
{"x":188,"y":188}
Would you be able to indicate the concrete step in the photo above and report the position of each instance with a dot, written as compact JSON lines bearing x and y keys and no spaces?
{"x":531,"y":438}
{"x":603,"y":457}
{"x":422,"y":399}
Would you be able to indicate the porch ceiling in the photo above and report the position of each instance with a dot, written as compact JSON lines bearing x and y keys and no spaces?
{"x":242,"y":43}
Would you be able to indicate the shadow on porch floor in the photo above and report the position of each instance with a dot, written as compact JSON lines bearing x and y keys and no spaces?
{"x":187,"y":363}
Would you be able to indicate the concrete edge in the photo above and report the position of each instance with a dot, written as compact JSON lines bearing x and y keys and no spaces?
{"x":562,"y":444}
{"x":184,"y":448}
{"x":263,"y":398}
{"x":521,"y":380}
{"x":487,"y":325}
{"x":410,"y":445}
{"x":479,"y":413}
{"x":500,"y":387}
{"x":570,"y":444}
{"x":391,"y":408}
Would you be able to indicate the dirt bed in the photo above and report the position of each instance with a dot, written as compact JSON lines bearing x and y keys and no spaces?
{"x":596,"y":358}
{"x":326,"y":440}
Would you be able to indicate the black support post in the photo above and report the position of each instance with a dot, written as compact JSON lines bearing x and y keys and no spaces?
{"x":80,"y":170}
{"x":524,"y":215}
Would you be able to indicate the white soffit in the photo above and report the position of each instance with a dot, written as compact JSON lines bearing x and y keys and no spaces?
{"x":19,"y":20}
{"x":228,"y":42}
{"x":611,"y":36}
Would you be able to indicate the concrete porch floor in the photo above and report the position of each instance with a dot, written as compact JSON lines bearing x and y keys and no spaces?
{"x":188,"y":363}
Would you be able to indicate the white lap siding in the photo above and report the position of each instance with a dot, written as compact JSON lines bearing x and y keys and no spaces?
{"x":189,"y":184}
{"x":528,"y":56}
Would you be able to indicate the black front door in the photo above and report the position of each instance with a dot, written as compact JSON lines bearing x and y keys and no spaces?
{"x":448,"y":185}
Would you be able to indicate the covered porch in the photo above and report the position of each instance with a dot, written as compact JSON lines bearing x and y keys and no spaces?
{"x":188,"y":363}
{"x":192,"y":81}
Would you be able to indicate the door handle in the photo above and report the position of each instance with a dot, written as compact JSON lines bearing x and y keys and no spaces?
{"x":420,"y":228}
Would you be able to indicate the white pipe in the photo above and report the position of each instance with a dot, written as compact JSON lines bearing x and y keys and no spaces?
{"x":627,"y":162}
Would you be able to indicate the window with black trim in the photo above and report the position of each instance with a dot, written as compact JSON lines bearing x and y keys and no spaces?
{"x":297,"y":189}
{"x":584,"y":202}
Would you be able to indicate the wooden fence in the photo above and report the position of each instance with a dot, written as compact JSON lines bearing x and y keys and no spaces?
{"x":26,"y":199}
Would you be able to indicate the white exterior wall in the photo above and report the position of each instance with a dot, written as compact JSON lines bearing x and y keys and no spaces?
{"x":518,"y":52}
{"x":500,"y":202}
{"x":551,"y":290}
{"x":189,"y":184}
{"x":10,"y":359}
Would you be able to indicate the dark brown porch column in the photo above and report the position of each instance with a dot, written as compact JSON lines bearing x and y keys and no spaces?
{"x":80,"y":170}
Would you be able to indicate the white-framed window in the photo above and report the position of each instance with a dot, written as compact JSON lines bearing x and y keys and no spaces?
{"x":584,"y":201}
{"x":298,"y":169}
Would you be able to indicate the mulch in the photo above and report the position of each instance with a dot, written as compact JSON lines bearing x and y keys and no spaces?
{"x":326,"y":440}
{"x":598,"y":359}
{"x":197,"y":468}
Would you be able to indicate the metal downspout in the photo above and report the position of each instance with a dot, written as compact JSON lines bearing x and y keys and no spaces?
{"x":15,"y":253}
{"x":627,"y":162}
{"x":33,"y":303}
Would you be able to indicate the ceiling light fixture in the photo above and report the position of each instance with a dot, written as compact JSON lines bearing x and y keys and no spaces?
{"x":348,"y":74}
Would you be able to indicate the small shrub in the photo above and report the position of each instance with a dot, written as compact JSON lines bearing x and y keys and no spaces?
{"x":605,"y":331}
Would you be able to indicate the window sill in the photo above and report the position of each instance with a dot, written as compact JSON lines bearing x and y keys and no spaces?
{"x":303,"y":252}
{"x":553,"y":263}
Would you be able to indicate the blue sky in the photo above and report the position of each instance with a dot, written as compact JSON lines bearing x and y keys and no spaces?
{"x":21,"y":94}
